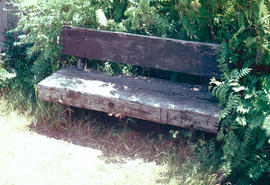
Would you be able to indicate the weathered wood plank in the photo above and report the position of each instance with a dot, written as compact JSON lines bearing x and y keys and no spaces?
{"x":145,"y":98}
{"x":154,"y":52}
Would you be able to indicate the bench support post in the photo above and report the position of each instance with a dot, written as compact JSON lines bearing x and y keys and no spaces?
{"x":80,"y":64}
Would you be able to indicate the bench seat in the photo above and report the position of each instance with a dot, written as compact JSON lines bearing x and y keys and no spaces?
{"x":179,"y":104}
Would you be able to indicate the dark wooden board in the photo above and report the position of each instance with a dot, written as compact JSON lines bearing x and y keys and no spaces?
{"x":183,"y":105}
{"x":147,"y":51}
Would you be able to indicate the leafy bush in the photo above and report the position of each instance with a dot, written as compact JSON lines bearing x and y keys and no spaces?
{"x":5,"y":77}
{"x":41,"y":23}
{"x":244,"y":90}
{"x":243,"y":28}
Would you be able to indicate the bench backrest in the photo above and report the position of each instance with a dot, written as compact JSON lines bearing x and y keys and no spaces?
{"x":154,"y":52}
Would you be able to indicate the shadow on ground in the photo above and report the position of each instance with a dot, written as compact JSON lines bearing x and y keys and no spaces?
{"x":118,"y":137}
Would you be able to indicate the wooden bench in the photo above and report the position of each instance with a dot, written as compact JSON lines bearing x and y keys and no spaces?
{"x":158,"y":100}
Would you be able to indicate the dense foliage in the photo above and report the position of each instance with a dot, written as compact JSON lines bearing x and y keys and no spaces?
{"x":244,"y":89}
{"x":241,"y":26}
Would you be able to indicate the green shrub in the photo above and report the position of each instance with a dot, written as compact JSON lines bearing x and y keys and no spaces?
{"x":243,"y":28}
{"x":244,"y":90}
{"x":5,"y":77}
{"x":41,"y":23}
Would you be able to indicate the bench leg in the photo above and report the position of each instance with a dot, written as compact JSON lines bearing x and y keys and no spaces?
{"x":68,"y":113}
{"x":80,"y":64}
